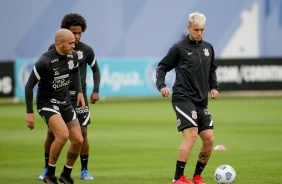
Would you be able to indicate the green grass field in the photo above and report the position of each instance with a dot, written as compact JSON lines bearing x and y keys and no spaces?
{"x":136,"y":142}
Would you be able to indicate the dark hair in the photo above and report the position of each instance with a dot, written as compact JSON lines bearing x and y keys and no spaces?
{"x":73,"y":19}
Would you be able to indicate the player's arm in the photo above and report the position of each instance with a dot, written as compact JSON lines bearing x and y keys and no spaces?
{"x":96,"y":78}
{"x":75,"y":77}
{"x":32,"y":81}
{"x":214,"y":86}
{"x":92,"y":62}
{"x":165,"y":65}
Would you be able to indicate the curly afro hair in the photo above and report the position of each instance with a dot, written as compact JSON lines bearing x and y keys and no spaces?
{"x":73,"y":19}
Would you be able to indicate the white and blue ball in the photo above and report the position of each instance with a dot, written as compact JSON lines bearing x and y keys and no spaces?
{"x":225,"y":174}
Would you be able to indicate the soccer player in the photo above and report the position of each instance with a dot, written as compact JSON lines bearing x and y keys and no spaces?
{"x":77,"y":24}
{"x":194,"y":64}
{"x":53,"y":72}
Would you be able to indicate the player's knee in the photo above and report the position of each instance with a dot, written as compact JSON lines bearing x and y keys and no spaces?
{"x":62,"y":138}
{"x":190,"y":134}
{"x":77,"y":141}
{"x":209,"y":141}
{"x":50,"y":137}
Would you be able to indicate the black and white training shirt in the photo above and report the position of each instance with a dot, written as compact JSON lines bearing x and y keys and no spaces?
{"x":195,"y":70}
{"x":52,"y":72}
{"x":86,"y":56}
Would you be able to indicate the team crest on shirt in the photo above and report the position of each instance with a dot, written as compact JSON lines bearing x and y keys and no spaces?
{"x":206,"y":52}
{"x":80,"y":54}
{"x":194,"y":114}
{"x":71,"y":65}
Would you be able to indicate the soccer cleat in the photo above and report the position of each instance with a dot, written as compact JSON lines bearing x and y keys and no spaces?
{"x":181,"y":180}
{"x":41,"y":177}
{"x":50,"y":179}
{"x":197,"y":180}
{"x":85,"y":175}
{"x":66,"y":179}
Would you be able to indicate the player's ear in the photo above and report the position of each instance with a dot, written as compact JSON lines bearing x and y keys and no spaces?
{"x":60,"y":43}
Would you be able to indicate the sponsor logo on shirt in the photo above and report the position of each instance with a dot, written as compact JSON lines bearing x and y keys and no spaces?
{"x":57,"y":73}
{"x":72,"y":93}
{"x":61,"y":77}
{"x":57,"y":102}
{"x":60,"y":81}
{"x":55,"y":60}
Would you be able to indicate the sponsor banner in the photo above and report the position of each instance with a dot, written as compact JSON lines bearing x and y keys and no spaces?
{"x":119,"y":77}
{"x":249,"y":74}
{"x":128,"y":77}
{"x":23,"y":68}
{"x":7,"y":79}
{"x":137,"y":76}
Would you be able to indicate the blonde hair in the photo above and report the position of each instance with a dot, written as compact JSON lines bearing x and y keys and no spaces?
{"x":197,"y":18}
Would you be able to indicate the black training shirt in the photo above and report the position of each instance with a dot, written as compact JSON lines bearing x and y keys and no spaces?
{"x":52,"y":72}
{"x":195,"y":68}
{"x":86,"y":56}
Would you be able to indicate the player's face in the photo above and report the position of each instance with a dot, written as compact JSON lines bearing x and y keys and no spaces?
{"x":196,"y":31}
{"x":77,"y":31}
{"x":67,"y":46}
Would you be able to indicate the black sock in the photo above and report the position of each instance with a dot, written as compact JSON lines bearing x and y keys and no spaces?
{"x":179,"y":171}
{"x":50,"y":170}
{"x":66,"y":171}
{"x":46,"y":159}
{"x":84,"y":161}
{"x":199,"y":168}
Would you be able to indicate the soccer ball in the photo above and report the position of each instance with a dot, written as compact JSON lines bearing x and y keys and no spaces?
{"x":224,"y":174}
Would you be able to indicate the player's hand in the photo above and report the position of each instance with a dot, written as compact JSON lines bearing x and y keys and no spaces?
{"x":80,"y":99}
{"x":94,"y":98}
{"x":214,"y":94}
{"x":30,"y":120}
{"x":165,"y":91}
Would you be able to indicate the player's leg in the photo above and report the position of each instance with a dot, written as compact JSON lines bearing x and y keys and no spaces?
{"x":187,"y":124}
{"x":61,"y":133}
{"x":84,"y":156}
{"x":47,"y":145}
{"x":76,"y":140}
{"x":207,"y":137}
{"x":84,"y":120}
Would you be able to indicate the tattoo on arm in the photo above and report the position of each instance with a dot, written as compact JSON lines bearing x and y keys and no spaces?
{"x":72,"y":123}
{"x":72,"y":156}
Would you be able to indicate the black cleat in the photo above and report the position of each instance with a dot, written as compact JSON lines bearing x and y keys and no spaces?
{"x":66,"y":179}
{"x":50,"y":179}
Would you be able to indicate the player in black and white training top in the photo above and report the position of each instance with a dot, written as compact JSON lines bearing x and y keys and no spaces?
{"x":194,"y":64}
{"x":86,"y":56}
{"x":53,"y":72}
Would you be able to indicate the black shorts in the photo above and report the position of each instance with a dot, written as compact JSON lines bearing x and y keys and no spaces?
{"x":50,"y":109}
{"x":83,"y":115}
{"x":189,"y":116}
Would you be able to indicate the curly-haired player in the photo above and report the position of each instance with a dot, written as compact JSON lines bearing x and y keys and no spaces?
{"x":77,"y":25}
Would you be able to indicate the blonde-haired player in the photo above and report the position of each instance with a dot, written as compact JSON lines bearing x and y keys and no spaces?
{"x":194,"y":64}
